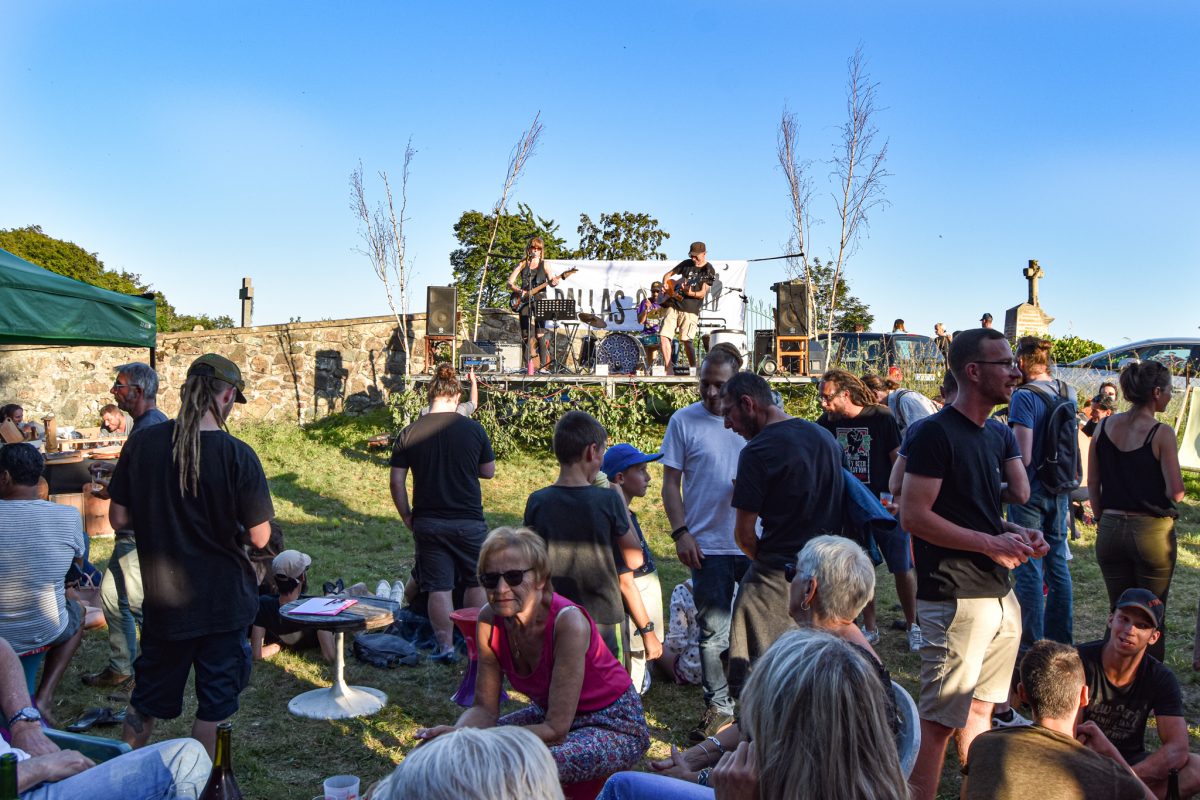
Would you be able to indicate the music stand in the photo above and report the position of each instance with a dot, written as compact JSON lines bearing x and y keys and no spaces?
{"x":561,"y":310}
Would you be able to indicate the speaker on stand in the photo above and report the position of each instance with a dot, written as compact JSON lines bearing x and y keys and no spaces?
{"x":441,"y":323}
{"x":791,"y":326}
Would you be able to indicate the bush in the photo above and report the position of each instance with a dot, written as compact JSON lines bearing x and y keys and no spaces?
{"x":1072,"y":348}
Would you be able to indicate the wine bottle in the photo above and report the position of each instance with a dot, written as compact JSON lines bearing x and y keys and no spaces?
{"x":221,"y":783}
{"x":8,"y":777}
{"x":1173,"y":785}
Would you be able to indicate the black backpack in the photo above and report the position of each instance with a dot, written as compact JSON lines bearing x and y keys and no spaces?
{"x":1057,"y":463}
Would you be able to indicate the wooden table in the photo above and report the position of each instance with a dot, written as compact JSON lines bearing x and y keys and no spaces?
{"x":341,"y":701}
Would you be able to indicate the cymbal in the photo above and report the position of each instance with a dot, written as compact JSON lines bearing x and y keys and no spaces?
{"x":593,"y":320}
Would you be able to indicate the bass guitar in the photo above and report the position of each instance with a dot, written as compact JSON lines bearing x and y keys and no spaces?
{"x":519,"y":300}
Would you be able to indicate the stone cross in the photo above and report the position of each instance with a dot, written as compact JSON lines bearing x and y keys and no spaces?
{"x":247,"y":296}
{"x":1032,"y":273}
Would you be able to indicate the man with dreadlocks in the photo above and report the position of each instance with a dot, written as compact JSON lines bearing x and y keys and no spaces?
{"x":195,"y":495}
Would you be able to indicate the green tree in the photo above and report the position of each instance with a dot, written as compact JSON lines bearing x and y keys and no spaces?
{"x":850,"y":310}
{"x":622,"y":236}
{"x":473,"y":230}
{"x":67,"y":258}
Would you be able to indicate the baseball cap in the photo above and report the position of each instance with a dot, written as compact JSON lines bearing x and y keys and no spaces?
{"x":621,"y":457}
{"x":987,"y":317}
{"x":697,"y":247}
{"x":212,"y":365}
{"x":1145,"y":600}
{"x":291,"y":563}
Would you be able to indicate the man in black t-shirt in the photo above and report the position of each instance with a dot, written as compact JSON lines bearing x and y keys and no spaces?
{"x":692,"y":279}
{"x":448,"y":454}
{"x":789,"y":475}
{"x":196,"y":496}
{"x":870,"y":438}
{"x":970,"y":619}
{"x":1126,"y":685}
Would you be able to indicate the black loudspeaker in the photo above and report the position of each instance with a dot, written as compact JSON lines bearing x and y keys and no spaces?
{"x":791,"y":308}
{"x":764,"y":345}
{"x":440,"y":309}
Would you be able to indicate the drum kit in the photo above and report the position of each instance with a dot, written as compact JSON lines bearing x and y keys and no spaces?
{"x":620,"y":352}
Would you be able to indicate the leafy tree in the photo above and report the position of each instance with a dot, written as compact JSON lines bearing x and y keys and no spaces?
{"x":622,"y":236}
{"x":849,"y":309}
{"x":514,"y":231}
{"x":71,"y":260}
{"x":1072,"y":348}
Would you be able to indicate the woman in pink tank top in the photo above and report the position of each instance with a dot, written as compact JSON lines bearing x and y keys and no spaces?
{"x":584,"y":706}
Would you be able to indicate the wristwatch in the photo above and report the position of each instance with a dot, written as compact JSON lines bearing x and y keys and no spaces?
{"x":26,"y":714}
{"x":648,"y":629}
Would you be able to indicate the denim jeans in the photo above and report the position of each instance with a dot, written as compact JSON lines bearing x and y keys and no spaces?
{"x":175,"y":768}
{"x":1049,"y":615}
{"x":648,"y":786}
{"x":712,"y":589}
{"x":121,"y":595}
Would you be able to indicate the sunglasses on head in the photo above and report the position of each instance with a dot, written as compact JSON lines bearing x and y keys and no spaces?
{"x":513,"y":577}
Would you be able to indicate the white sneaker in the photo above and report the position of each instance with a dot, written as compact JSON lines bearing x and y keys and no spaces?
{"x":1017,"y":721}
{"x":397,"y":592}
{"x":383,"y":589}
{"x":872,"y":636}
{"x":915,"y":640}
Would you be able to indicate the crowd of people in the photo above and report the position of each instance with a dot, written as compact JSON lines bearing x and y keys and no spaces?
{"x":781,"y":523}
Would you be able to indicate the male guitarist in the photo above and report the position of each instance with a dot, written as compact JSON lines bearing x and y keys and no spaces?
{"x":525,"y":280}
{"x":687,"y":293}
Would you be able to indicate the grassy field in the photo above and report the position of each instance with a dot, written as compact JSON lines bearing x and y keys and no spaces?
{"x":331,"y":497}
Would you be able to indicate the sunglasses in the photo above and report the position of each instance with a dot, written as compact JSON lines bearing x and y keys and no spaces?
{"x":513,"y":577}
{"x":789,"y":572}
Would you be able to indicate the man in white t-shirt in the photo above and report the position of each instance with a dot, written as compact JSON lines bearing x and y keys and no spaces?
{"x":700,"y":457}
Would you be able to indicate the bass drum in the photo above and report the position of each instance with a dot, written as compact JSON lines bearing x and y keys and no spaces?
{"x":621,"y":352}
{"x":734,"y":337}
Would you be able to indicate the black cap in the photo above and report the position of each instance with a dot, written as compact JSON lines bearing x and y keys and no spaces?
{"x":986,"y":318}
{"x":1147,"y":601}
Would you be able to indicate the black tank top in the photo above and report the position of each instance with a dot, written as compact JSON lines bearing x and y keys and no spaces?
{"x":1132,"y":480}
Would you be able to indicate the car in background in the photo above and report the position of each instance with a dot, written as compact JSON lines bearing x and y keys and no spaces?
{"x":916,"y":355}
{"x":1181,"y":355}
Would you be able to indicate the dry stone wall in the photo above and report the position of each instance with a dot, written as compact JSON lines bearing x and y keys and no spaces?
{"x":299,"y":372}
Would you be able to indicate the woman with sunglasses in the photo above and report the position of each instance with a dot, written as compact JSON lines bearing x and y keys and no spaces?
{"x":522,"y":281}
{"x":584,"y":704}
{"x":812,"y":728}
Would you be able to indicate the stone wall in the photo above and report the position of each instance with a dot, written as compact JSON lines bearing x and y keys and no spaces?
{"x":299,"y":371}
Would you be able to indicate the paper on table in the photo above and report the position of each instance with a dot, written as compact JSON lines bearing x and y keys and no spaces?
{"x":324,"y":606}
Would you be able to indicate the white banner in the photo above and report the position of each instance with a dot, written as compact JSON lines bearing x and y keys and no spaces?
{"x":613,"y":289}
{"x":1189,"y":448}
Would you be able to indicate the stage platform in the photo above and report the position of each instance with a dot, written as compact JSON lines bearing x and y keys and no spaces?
{"x":520,"y":381}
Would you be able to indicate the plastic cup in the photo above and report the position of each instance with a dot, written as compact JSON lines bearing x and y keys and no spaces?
{"x":341,"y":787}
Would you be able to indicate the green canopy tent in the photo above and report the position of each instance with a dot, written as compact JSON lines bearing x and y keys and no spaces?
{"x":38,"y":306}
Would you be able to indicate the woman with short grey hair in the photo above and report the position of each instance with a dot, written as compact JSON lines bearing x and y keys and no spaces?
{"x":506,"y":763}
{"x":833,"y":582}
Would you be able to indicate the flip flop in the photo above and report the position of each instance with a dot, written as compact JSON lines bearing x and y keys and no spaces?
{"x":92,"y":716}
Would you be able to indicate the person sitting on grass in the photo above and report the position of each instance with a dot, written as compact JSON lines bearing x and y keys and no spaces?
{"x":625,"y":466}
{"x":583,"y":704}
{"x":586,"y":528}
{"x":508,"y":763}
{"x":814,"y":727}
{"x":1126,"y":684}
{"x":174,"y":768}
{"x":1072,"y":762}
{"x":270,"y":631}
{"x":831,"y":581}
{"x":680,"y":660}
{"x":40,"y":541}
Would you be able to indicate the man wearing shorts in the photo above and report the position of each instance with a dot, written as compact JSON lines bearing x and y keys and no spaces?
{"x":196,"y":496}
{"x":964,"y":550}
{"x":693,"y":277}
{"x":448,"y":454}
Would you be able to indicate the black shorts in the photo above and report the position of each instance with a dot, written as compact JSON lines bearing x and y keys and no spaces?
{"x":222,"y":663}
{"x":447,"y":552}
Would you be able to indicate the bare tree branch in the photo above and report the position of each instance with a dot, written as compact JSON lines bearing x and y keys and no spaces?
{"x":859,"y":169}
{"x":524,"y":148}
{"x":800,"y":192}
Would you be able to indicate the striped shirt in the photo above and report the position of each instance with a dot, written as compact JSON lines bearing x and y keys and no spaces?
{"x":39,"y":540}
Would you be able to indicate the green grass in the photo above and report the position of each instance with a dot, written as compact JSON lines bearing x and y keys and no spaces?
{"x":331,"y":497}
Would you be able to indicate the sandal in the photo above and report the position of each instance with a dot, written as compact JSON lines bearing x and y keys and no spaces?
{"x":91,"y":717}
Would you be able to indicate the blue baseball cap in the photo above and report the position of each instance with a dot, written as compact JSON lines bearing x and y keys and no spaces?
{"x":623,"y":456}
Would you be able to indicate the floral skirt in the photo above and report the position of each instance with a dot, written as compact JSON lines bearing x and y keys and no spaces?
{"x":599,"y":743}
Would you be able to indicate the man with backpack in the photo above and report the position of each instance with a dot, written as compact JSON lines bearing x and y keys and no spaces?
{"x":1042,"y":416}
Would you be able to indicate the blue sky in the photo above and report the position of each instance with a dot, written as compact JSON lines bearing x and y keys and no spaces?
{"x":198,"y":143}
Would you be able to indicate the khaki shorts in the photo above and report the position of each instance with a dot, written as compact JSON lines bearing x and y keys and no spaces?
{"x":969,"y":653}
{"x":680,"y":322}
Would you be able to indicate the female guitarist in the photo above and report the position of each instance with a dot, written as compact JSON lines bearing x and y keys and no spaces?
{"x":530,"y":274}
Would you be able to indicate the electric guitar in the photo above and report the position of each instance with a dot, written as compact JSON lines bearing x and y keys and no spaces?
{"x":519,"y":300}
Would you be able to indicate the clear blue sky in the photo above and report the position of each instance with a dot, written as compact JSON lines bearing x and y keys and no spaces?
{"x":197,"y":143}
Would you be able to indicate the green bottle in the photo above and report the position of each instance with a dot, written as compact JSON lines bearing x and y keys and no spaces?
{"x":8,"y":777}
{"x":221,"y":783}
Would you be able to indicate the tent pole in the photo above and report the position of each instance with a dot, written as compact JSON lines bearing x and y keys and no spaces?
{"x":153,"y":359}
